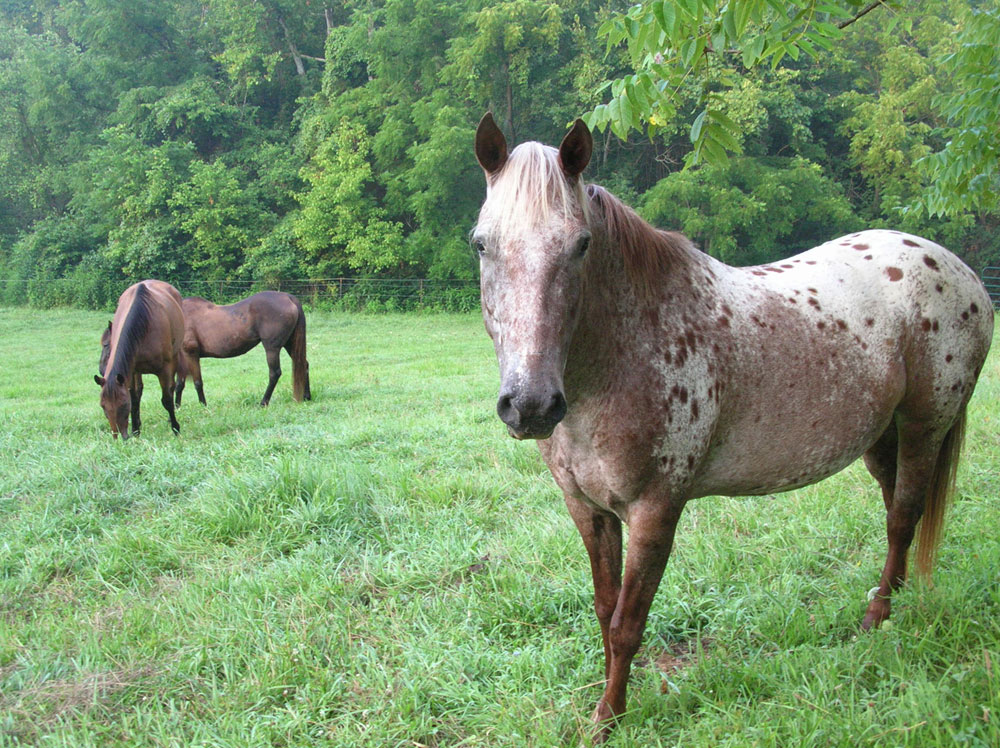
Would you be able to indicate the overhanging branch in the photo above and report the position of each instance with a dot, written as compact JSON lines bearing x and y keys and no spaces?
{"x":863,"y":12}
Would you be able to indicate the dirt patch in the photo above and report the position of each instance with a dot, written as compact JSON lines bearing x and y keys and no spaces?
{"x":35,"y":706}
{"x":678,"y":656}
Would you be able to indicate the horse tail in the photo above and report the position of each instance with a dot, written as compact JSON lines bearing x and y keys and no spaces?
{"x":942,"y":487}
{"x":297,"y":350}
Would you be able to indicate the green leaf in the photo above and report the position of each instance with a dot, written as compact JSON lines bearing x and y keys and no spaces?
{"x":697,"y":125}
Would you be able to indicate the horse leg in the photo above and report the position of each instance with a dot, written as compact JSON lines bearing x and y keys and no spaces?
{"x":274,"y":368}
{"x":602,"y":536}
{"x":651,"y":534}
{"x":917,"y":460}
{"x":135,"y":395}
{"x":167,"y":397}
{"x":194,"y":371}
{"x":880,"y":460}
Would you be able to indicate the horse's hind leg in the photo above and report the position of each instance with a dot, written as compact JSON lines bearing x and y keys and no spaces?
{"x":905,"y":495}
{"x":881,"y":463}
{"x":274,"y":369}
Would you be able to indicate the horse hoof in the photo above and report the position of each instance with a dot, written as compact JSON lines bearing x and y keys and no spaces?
{"x":603,"y":720}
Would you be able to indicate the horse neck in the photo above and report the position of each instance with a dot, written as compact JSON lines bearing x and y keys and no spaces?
{"x":125,"y":346}
{"x":621,"y":314}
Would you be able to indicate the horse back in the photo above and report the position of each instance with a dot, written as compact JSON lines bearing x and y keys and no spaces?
{"x":824,"y":349}
{"x":231,"y":330}
{"x":160,"y":343}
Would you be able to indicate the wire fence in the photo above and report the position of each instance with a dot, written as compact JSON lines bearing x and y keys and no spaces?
{"x":348,"y":294}
{"x":991,"y":279}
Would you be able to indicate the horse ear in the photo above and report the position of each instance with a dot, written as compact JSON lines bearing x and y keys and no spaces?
{"x":575,"y":149}
{"x":120,"y":378}
{"x":109,"y":325}
{"x":99,"y":379}
{"x":491,"y":146}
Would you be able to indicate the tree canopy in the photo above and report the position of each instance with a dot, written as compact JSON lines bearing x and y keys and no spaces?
{"x":283,"y":139}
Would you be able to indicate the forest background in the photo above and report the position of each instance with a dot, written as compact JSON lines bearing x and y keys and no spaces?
{"x":256,"y":142}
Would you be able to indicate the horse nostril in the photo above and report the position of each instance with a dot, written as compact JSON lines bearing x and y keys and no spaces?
{"x":557,"y":407}
{"x":505,"y":408}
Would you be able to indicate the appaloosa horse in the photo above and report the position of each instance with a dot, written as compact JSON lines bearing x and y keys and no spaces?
{"x":273,"y":318}
{"x":144,"y":337}
{"x":654,"y":374}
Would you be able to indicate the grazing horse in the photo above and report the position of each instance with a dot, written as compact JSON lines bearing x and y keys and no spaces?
{"x":653,"y":374}
{"x":273,"y":318}
{"x":143,"y":338}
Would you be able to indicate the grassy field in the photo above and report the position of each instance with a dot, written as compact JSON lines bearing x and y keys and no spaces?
{"x":384,"y":567}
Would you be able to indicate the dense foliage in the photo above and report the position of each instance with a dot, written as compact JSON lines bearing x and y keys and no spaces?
{"x":276,"y":139}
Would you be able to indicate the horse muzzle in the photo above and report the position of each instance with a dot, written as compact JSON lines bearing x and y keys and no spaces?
{"x":529,"y":414}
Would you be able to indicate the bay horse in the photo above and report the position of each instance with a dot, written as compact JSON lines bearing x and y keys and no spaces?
{"x":652,"y":374}
{"x":144,"y":337}
{"x":273,"y":318}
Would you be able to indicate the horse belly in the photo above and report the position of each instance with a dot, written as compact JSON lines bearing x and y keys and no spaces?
{"x":796,"y":414}
{"x":794,"y":454}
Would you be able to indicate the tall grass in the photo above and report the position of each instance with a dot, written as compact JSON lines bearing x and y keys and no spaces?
{"x":384,"y":567}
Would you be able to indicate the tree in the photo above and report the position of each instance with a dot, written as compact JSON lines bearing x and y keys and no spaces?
{"x":965,"y":174}
{"x":672,"y":43}
{"x":340,"y":225}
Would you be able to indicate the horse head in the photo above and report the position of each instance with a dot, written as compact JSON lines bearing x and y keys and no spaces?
{"x":116,"y":403}
{"x":532,"y":237}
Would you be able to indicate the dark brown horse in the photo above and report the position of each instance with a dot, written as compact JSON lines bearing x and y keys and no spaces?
{"x":273,"y":318}
{"x":654,"y":374}
{"x":143,"y":338}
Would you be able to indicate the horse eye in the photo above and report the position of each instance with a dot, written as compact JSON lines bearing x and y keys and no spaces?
{"x":581,"y":247}
{"x":479,"y":247}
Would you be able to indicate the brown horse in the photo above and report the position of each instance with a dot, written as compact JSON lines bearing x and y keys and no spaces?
{"x":273,"y":318}
{"x":143,"y":338}
{"x":654,"y":374}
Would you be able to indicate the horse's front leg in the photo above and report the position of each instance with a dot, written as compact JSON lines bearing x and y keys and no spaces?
{"x":135,"y":396}
{"x":602,"y":536}
{"x":166,"y":377}
{"x":652,"y":522}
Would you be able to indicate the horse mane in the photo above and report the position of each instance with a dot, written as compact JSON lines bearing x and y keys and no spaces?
{"x":134,"y":329}
{"x":649,"y":253}
{"x":529,"y":189}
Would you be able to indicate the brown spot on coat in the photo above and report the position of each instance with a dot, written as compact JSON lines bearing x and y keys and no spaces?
{"x":910,"y":243}
{"x":894,"y":273}
{"x":930,"y":262}
{"x":861,"y":247}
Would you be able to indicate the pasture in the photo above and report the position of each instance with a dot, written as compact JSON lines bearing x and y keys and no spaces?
{"x":383,"y":566}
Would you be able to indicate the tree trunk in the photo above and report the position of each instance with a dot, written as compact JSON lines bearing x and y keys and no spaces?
{"x":300,"y":67}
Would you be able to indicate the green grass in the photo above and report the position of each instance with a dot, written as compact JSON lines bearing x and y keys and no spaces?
{"x":384,"y":567}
